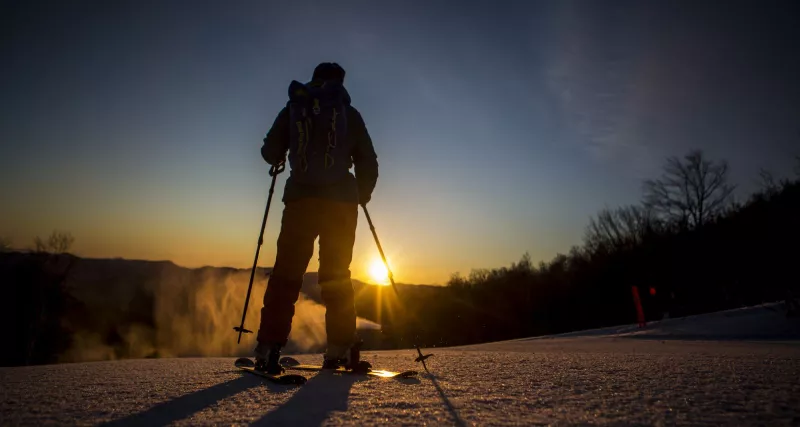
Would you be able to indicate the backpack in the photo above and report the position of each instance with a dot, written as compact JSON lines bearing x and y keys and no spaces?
{"x":319,"y":152}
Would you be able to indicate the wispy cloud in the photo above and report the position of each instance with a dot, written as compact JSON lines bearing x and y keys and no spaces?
{"x":595,"y":77}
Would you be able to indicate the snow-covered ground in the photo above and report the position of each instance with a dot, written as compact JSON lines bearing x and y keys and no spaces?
{"x":701,"y":375}
{"x":761,"y":322}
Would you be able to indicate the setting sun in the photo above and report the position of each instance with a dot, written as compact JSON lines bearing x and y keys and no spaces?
{"x":378,"y":273}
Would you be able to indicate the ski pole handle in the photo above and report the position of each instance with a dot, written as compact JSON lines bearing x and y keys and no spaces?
{"x":274,"y":170}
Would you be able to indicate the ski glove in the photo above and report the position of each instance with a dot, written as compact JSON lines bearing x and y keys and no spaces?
{"x":364,"y":198}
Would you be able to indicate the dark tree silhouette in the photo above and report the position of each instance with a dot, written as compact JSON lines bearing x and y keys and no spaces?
{"x":690,"y":191}
{"x":58,"y":243}
{"x":797,"y":166}
{"x":767,"y":182}
{"x":621,"y":227}
{"x":39,"y":246}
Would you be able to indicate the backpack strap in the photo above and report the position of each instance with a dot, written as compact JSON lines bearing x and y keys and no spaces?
{"x":332,"y":140}
{"x":298,"y":100}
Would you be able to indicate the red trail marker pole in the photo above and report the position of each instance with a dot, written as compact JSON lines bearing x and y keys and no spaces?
{"x":639,"y":310}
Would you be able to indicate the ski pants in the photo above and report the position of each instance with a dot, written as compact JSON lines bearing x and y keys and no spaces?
{"x":303,"y":221}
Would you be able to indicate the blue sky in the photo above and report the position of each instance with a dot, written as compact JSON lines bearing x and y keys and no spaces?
{"x":500,"y":127}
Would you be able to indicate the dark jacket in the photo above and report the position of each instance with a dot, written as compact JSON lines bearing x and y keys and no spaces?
{"x":355,"y":189}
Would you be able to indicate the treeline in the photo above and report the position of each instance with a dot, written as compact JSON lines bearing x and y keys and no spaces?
{"x":688,"y":247}
{"x":36,"y":300}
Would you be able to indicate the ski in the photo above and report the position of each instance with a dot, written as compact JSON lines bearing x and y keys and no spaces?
{"x":291,"y":363}
{"x":248,"y":365}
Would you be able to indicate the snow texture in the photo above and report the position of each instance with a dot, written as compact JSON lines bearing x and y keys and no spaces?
{"x":691,"y":371}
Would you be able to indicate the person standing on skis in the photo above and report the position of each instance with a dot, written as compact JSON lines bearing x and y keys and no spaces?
{"x":325,"y":136}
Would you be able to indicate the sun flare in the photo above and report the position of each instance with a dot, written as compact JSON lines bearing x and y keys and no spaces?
{"x":378,"y":273}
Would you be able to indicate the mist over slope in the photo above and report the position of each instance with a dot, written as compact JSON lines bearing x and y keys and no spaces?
{"x":69,"y":309}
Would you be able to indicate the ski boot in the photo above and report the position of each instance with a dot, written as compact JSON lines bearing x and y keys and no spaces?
{"x":348,"y":357}
{"x":267,"y":359}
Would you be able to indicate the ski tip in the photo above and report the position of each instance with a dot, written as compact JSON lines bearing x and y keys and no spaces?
{"x":289,"y":361}
{"x":244,"y":362}
{"x":292,"y":379}
{"x":408,"y":374}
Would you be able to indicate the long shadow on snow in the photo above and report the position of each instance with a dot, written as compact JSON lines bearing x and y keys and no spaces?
{"x":450,"y":407}
{"x":313,"y":402}
{"x":189,"y":404}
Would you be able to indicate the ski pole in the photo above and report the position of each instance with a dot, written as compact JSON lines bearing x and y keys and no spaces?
{"x":273,"y":172}
{"x":421,"y":357}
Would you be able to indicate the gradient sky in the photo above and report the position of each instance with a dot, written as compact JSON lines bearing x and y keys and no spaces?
{"x":500,"y":127}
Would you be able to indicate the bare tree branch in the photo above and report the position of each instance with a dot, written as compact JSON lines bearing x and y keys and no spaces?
{"x":797,"y":165}
{"x":58,"y":242}
{"x":690,"y":191}
{"x":767,"y":182}
{"x":623,"y":227}
{"x":39,"y":245}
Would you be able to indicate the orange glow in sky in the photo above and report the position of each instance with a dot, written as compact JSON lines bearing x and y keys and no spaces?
{"x":140,"y":134}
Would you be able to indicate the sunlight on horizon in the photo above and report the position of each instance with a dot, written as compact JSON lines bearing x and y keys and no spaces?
{"x":378,"y":273}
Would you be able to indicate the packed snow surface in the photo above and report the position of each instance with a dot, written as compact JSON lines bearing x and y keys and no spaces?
{"x":717,"y":372}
